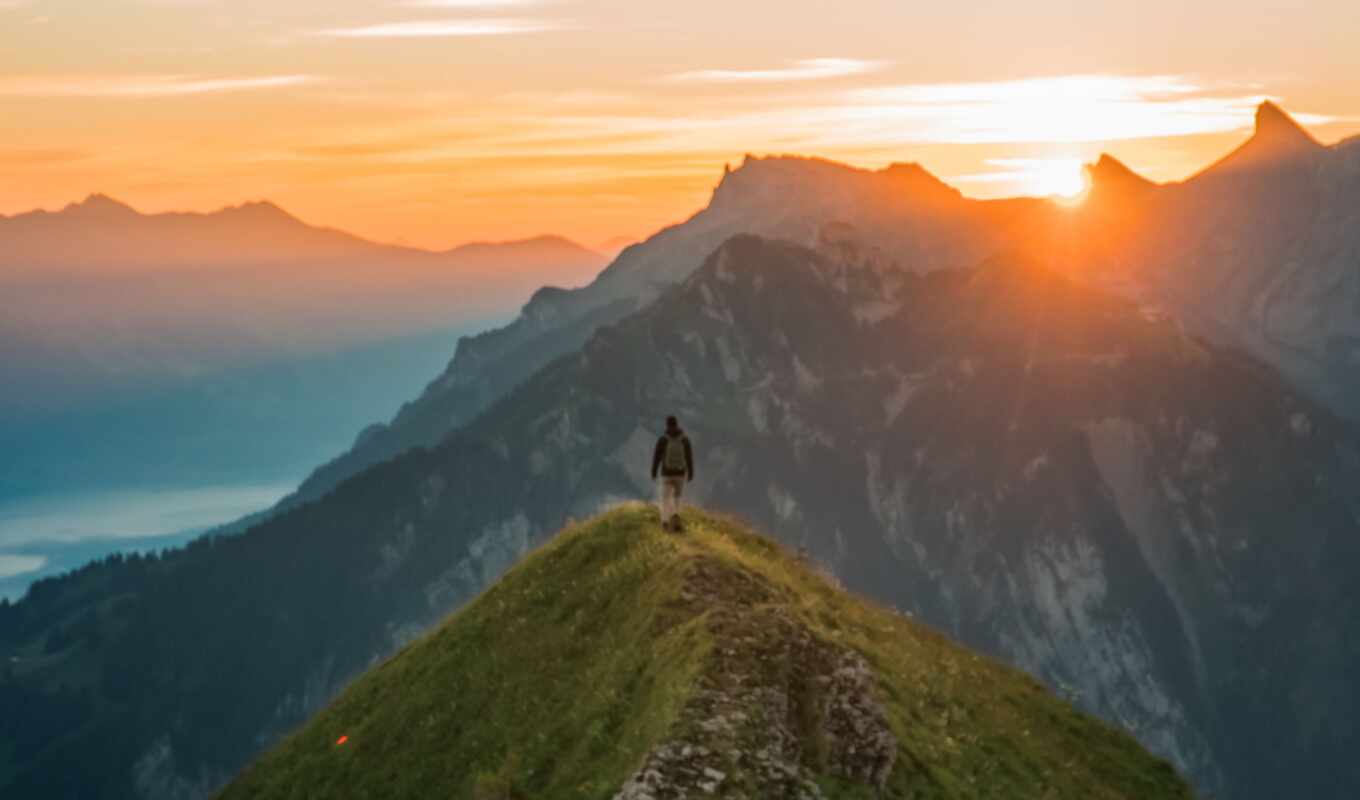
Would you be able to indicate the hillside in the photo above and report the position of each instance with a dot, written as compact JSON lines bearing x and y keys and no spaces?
{"x":1039,"y":470}
{"x":621,"y":661}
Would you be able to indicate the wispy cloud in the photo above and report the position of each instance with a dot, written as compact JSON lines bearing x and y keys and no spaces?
{"x":867,"y":123}
{"x":1071,"y":108}
{"x":144,"y":85}
{"x":11,"y":565}
{"x":810,"y":69}
{"x":435,"y":28}
{"x":1029,"y":171}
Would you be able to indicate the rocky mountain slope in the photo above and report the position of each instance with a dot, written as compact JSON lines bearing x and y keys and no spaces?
{"x":1046,"y":472}
{"x":1264,"y":252}
{"x":925,"y":224}
{"x":620,"y":661}
{"x":1260,"y":252}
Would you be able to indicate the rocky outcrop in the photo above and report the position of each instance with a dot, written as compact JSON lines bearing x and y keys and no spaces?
{"x":775,"y":706}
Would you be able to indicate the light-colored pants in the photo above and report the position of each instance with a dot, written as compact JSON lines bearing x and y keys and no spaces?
{"x":671,"y":489}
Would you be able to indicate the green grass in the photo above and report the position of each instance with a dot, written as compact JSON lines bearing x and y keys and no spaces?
{"x":559,"y":679}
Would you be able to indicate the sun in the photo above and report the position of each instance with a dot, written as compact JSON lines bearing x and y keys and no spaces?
{"x":1063,"y":179}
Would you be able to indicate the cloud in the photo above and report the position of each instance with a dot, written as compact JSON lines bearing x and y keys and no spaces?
{"x":1017,"y":170}
{"x":866,"y":123}
{"x":143,"y":85}
{"x":435,"y":28}
{"x":11,"y":565}
{"x":809,"y":69}
{"x":1070,"y":108}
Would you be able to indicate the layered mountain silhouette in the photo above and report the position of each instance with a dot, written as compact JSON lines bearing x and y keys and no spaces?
{"x":237,"y":346}
{"x":1061,"y":442}
{"x":98,"y":297}
{"x":620,"y":661}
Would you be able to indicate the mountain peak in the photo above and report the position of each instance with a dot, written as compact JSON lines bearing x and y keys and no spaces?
{"x":1274,"y":125}
{"x":784,"y":179}
{"x":1111,"y":174}
{"x":100,"y":204}
{"x":1278,"y":139}
{"x":260,"y":210}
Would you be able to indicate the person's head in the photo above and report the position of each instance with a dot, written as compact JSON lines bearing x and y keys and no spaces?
{"x":672,"y":424}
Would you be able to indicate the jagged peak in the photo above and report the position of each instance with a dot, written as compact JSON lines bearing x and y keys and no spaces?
{"x":1278,"y":138}
{"x":1109,"y":172}
{"x":1274,"y":125}
{"x":902,"y":173}
{"x":765,"y":172}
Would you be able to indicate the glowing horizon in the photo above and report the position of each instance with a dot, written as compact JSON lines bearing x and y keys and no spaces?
{"x":435,"y":122}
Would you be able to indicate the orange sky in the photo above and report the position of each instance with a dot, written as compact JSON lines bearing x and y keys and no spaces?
{"x":433,"y":122}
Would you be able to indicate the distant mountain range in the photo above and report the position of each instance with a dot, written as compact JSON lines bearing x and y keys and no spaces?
{"x":1067,"y":436}
{"x":116,"y":325}
{"x":97,"y":296}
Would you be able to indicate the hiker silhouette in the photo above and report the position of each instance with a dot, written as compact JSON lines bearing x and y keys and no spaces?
{"x":674,"y":459}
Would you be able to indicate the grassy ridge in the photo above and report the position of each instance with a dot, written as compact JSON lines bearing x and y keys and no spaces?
{"x":558,"y":680}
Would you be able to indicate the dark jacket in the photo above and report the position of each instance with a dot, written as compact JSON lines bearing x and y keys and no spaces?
{"x":660,"y":453}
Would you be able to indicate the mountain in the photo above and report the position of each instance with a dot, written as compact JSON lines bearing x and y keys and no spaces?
{"x":1262,"y":251}
{"x":1259,"y":251}
{"x":1277,"y":139}
{"x":620,"y":661}
{"x":1256,"y":252}
{"x":1041,"y":470}
{"x":160,"y":348}
{"x":98,"y":297}
{"x":905,"y":210}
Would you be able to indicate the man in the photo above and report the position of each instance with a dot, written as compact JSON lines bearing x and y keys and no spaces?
{"x":675,"y":459}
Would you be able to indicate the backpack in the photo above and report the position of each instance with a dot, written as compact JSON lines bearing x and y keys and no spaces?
{"x":674,"y":462}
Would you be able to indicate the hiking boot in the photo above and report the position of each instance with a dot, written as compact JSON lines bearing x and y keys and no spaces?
{"x":675,"y":523}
